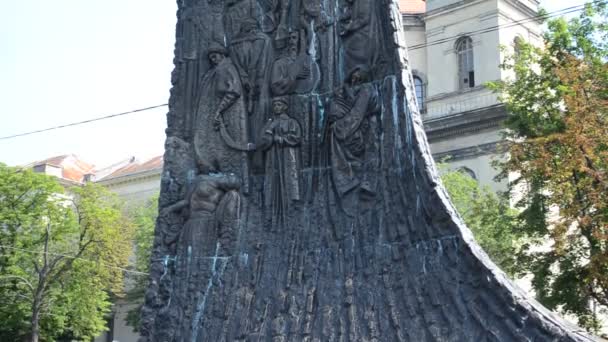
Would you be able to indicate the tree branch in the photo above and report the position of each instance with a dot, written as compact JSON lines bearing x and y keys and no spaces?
{"x":23,"y":280}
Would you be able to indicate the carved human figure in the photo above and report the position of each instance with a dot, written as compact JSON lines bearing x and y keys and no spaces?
{"x":213,"y":203}
{"x":291,"y":72}
{"x":236,"y":10}
{"x":283,"y":13}
{"x":221,"y":136}
{"x":250,"y":51}
{"x":359,"y":29}
{"x":282,"y":136}
{"x":212,"y":208}
{"x":313,"y":18}
{"x":314,"y":9}
{"x":178,"y":161}
{"x":349,"y":129}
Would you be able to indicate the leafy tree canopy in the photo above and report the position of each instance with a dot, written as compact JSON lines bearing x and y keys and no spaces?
{"x":492,"y":221}
{"x":144,"y":217}
{"x":62,"y":255}
{"x":558,"y":148}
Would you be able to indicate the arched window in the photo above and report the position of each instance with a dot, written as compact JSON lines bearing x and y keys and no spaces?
{"x":420,"y":95}
{"x":466,"y":69}
{"x":517,"y":43}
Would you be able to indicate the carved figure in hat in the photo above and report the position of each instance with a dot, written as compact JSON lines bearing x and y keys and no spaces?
{"x":250,"y":50}
{"x":281,"y":139}
{"x":360,"y":32}
{"x":221,"y":138}
{"x":294,"y":71}
{"x":349,"y":132}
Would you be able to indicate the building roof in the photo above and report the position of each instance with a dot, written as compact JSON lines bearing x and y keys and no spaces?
{"x":136,"y":166}
{"x":412,"y":6}
{"x":72,"y":168}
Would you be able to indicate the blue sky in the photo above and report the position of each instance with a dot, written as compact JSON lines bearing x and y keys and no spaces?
{"x":63,"y":61}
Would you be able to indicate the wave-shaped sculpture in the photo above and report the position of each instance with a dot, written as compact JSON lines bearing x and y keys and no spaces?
{"x":299,"y":198}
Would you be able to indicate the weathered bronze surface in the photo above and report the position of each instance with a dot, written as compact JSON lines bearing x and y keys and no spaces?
{"x":299,"y":199}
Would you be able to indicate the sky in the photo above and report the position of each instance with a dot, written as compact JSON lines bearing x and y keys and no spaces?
{"x":65,"y":61}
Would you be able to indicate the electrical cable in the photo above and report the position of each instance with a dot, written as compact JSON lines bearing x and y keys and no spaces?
{"x":83,"y":122}
{"x":543,"y":16}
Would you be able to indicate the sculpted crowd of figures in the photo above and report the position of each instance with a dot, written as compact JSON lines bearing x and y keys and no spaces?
{"x":273,"y":111}
{"x":252,"y":111}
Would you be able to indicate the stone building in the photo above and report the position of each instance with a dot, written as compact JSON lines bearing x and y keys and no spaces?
{"x":454,"y":49}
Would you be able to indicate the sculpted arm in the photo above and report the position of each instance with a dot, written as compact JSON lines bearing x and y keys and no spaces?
{"x":267,"y":136}
{"x":226,"y":182}
{"x":228,"y":88}
{"x":230,"y":182}
{"x":175,"y":207}
{"x":294,"y":136}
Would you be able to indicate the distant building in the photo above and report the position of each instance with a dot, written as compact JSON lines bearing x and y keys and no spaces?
{"x":454,"y":49}
{"x":69,"y":169}
{"x":135,"y":181}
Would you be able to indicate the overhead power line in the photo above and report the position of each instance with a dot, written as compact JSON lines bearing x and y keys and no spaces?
{"x":83,"y":122}
{"x":544,"y":16}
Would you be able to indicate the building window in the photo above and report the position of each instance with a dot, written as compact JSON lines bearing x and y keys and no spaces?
{"x":517,"y":44}
{"x":419,"y":86}
{"x":466,"y":70}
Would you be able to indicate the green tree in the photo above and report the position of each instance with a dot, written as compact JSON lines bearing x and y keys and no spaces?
{"x":62,"y":255}
{"x":557,"y":131}
{"x":144,"y":218}
{"x":492,"y":221}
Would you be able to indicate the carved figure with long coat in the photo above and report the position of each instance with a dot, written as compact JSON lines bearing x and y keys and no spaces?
{"x":221,"y":136}
{"x":349,"y":132}
{"x":250,"y":51}
{"x":360,"y":32}
{"x":281,"y":140}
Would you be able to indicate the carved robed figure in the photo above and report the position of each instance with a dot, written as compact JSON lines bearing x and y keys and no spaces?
{"x":221,"y":134}
{"x":281,"y":139}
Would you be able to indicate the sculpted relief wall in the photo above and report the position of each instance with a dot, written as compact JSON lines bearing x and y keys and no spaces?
{"x":299,"y":200}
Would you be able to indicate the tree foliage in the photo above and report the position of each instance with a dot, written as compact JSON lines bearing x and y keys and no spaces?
{"x":488,"y":215}
{"x":558,"y":147}
{"x":61,"y":257}
{"x":144,"y":218}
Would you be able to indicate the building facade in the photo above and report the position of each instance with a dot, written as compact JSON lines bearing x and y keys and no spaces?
{"x":454,"y":50}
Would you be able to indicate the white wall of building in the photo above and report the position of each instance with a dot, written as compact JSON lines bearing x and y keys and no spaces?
{"x":133,"y":189}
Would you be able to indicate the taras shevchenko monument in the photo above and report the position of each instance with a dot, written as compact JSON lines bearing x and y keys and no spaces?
{"x":299,"y":198}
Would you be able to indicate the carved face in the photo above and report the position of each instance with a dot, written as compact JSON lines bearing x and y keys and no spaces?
{"x":293,"y":41}
{"x":216,"y":58}
{"x":279,"y":107}
{"x":356,"y":77}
